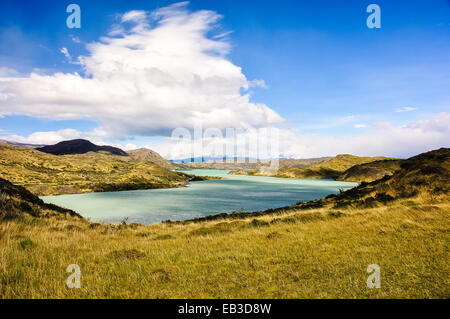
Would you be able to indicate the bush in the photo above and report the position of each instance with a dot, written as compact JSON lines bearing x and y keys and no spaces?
{"x":384,"y":198}
{"x":127,"y":254}
{"x":258,"y":223}
{"x":336,"y":214}
{"x":27,"y":243}
{"x":2,"y":199}
{"x":370,"y":202}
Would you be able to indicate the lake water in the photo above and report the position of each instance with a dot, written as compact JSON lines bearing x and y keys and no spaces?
{"x":233,"y":193}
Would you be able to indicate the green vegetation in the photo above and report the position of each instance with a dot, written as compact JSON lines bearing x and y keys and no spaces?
{"x":342,"y":167}
{"x":370,"y":172}
{"x":318,"y":249}
{"x":47,"y":174}
{"x":15,"y":201}
{"x":331,"y":169}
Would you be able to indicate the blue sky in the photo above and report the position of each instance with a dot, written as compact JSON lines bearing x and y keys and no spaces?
{"x":326,"y":73}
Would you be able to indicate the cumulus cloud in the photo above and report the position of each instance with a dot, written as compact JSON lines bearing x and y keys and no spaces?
{"x":382,"y":138}
{"x":154,"y":72}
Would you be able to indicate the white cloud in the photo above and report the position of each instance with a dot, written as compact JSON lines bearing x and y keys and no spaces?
{"x":147,"y":81}
{"x":53,"y":137}
{"x":258,"y":83}
{"x":129,"y":147}
{"x":405,"y":109}
{"x":360,"y":126}
{"x":134,"y":15}
{"x":7,"y":72}
{"x":75,"y":39}
{"x":66,"y":54}
{"x":222,"y":35}
{"x":383,"y":138}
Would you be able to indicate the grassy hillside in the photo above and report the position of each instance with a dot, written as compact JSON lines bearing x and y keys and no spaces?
{"x":147,"y":155}
{"x":16,"y":201}
{"x":370,"y":172}
{"x":47,"y":174}
{"x":311,"y":250}
{"x":424,"y":177}
{"x":302,"y":163}
{"x":329,"y":168}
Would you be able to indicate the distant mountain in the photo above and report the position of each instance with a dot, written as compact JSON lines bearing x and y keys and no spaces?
{"x":210,"y":160}
{"x":147,"y":155}
{"x":25,"y":145}
{"x":79,"y":147}
{"x":302,"y":163}
{"x":227,"y":164}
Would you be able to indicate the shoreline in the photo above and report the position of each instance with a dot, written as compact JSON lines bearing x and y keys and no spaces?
{"x":212,"y":215}
{"x":120,"y":187}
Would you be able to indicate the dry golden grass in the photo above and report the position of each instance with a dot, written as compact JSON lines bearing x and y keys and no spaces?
{"x":47,"y":174}
{"x":319,"y":253}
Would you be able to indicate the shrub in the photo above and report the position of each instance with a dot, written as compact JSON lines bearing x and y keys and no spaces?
{"x":127,"y":254}
{"x":336,"y":214}
{"x":2,"y":199}
{"x":164,"y":237}
{"x":384,"y":198}
{"x":370,"y":202}
{"x":258,"y":223}
{"x":27,"y":243}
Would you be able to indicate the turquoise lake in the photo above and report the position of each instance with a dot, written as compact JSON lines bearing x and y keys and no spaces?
{"x":232,"y":193}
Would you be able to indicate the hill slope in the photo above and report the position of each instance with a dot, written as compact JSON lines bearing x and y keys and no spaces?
{"x":16,"y":200}
{"x":370,"y":172}
{"x":423,"y":176}
{"x":79,"y":147}
{"x":319,"y":168}
{"x":47,"y":174}
{"x":319,"y":249}
{"x":147,"y":155}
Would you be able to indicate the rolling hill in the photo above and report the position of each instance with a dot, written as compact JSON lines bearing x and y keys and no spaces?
{"x":48,"y":174}
{"x":329,"y":168}
{"x":147,"y":155}
{"x":16,"y":200}
{"x":370,"y":172}
{"x":425,"y":176}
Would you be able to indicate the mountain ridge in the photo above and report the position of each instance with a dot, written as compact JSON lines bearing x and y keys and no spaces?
{"x":79,"y":146}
